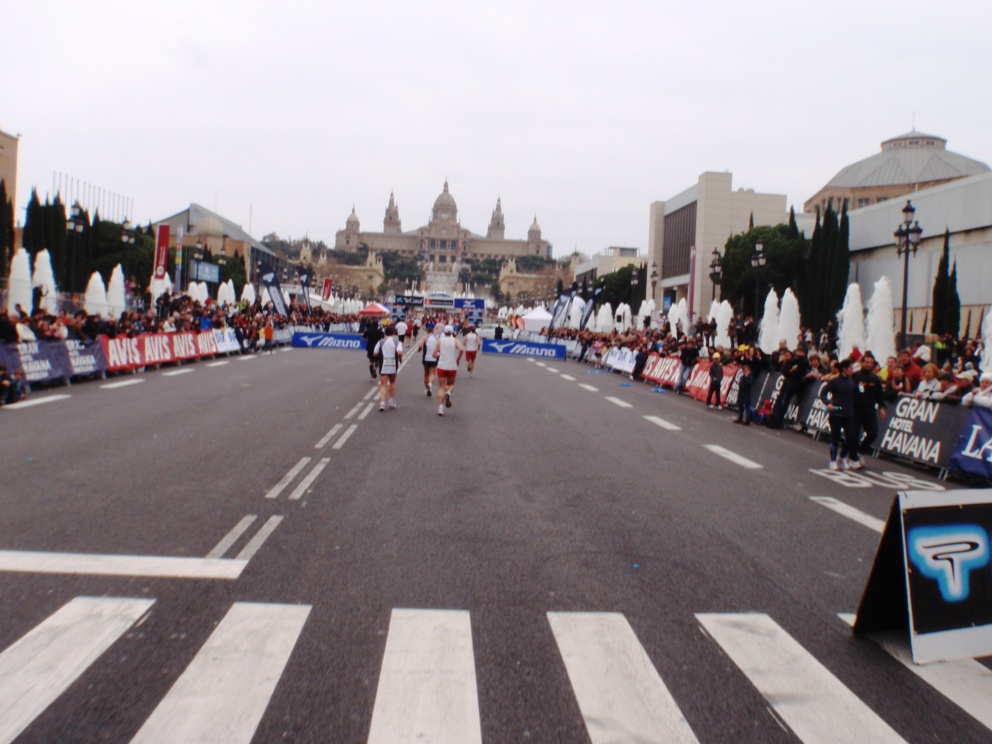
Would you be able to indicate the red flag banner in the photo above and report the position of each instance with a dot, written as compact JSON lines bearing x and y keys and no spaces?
{"x":161,"y":251}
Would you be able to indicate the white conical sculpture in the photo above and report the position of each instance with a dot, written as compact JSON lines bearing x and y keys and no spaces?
{"x":116,"y":302}
{"x":19,"y":282}
{"x":95,"y":297}
{"x":851,"y":323}
{"x":880,"y":337}
{"x":248,"y":294}
{"x":789,"y":323}
{"x":724,"y":313}
{"x":768,"y":337}
{"x":44,"y":278}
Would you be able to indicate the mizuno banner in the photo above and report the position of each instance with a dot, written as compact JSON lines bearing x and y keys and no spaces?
{"x":328,"y":341}
{"x":523,"y":348}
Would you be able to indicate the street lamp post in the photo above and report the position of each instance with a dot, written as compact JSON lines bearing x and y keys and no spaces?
{"x":907,"y":237}
{"x":75,"y":227}
{"x":654,"y":278}
{"x":633,"y":289}
{"x":715,"y":275}
{"x":758,"y":259}
{"x":127,"y":240}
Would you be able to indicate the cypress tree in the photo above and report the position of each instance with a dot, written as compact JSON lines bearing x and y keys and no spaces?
{"x":793,"y":230}
{"x":841,"y":260}
{"x":952,"y":309}
{"x":6,"y":229}
{"x":814,"y":299}
{"x":32,"y":233}
{"x":750,"y":222}
{"x":941,"y":284}
{"x":57,"y":246}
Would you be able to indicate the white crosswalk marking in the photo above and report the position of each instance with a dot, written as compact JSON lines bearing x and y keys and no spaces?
{"x":40,"y":666}
{"x":427,"y":688}
{"x":811,"y":701}
{"x":224,"y":691}
{"x":620,"y":694}
{"x":965,"y":682}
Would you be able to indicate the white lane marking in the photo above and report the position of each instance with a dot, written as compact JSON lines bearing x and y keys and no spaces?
{"x":35,"y":402}
{"x":567,"y":377}
{"x":232,"y":537}
{"x":811,"y":701}
{"x":541,"y":364}
{"x":666,"y":425}
{"x":309,"y":479}
{"x":618,"y":402}
{"x":851,"y":513}
{"x":427,"y":689}
{"x":552,"y":369}
{"x":218,"y":364}
{"x":175,"y":372}
{"x":965,"y":682}
{"x":125,"y":383}
{"x":344,"y":437}
{"x":365,"y":413}
{"x":255,"y":543}
{"x":328,"y":436}
{"x":247,"y":358}
{"x":590,"y":388}
{"x":370,"y":393}
{"x":620,"y":693}
{"x":224,"y":691}
{"x":288,"y":478}
{"x":353,"y":411}
{"x":41,"y":665}
{"x":22,"y":561}
{"x":733,"y":457}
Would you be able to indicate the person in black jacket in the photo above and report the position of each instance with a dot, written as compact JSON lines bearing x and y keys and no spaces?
{"x":744,"y":384}
{"x":794,"y":369}
{"x":869,"y":404}
{"x":838,"y":396}
{"x":688,"y":355}
{"x":373,"y":334}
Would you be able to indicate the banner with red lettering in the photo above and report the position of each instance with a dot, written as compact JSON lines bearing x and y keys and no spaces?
{"x":161,"y":252}
{"x":663,"y":370}
{"x":150,"y":349}
{"x":698,"y":384}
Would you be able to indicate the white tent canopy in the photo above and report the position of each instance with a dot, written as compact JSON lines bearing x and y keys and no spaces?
{"x":536,"y":319}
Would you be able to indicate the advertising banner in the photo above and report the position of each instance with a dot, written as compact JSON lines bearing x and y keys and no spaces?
{"x":329,"y":341}
{"x":972,"y":454}
{"x":620,"y":359}
{"x":271,"y":282}
{"x":663,"y":370}
{"x":86,"y":357}
{"x":151,"y":349}
{"x":325,"y":290}
{"x":161,"y":252}
{"x":523,"y":348}
{"x":227,"y":341}
{"x":922,"y":430}
{"x":42,"y":361}
{"x":933,"y":568}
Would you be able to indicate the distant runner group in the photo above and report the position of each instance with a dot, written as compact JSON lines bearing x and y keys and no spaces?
{"x":441,"y":353}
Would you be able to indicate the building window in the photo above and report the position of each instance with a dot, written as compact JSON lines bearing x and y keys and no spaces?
{"x":864,"y":202}
{"x":680,"y":234}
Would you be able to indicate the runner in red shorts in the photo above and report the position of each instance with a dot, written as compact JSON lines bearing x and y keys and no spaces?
{"x":448,"y":353}
{"x":471,"y":348}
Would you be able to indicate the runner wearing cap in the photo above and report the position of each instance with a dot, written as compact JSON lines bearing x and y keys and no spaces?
{"x":471,"y":348}
{"x":449,"y":355}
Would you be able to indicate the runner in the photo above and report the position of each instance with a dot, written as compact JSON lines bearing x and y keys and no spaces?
{"x":401,"y":329}
{"x":449,"y":355}
{"x":471,"y":348}
{"x":426,"y":347}
{"x":389,"y":352}
{"x":373,"y":334}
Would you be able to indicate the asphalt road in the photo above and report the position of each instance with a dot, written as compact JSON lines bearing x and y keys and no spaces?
{"x":562,"y":557}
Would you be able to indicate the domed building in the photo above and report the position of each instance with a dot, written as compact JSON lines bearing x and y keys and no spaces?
{"x":442,"y":243}
{"x":907,"y":163}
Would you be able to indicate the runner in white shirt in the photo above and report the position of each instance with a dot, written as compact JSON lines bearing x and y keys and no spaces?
{"x":391,"y":351}
{"x":449,"y":355}
{"x":426,"y":348}
{"x":471,"y":348}
{"x":401,"y":329}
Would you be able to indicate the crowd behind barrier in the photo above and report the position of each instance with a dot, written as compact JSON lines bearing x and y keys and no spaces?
{"x":939,"y":413}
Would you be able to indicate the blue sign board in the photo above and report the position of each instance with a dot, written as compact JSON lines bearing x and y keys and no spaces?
{"x":523,"y":348}
{"x":200,"y":271}
{"x":328,"y":340}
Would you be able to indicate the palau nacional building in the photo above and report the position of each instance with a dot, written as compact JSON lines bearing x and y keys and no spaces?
{"x":442,"y":244}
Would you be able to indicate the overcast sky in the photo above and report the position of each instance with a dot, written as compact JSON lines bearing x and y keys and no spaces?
{"x":282,"y":116}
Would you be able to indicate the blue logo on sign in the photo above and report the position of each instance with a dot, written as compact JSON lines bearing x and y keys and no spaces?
{"x":949,"y":555}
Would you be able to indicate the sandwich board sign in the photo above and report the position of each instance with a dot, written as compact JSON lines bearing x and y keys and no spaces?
{"x":933,"y":575}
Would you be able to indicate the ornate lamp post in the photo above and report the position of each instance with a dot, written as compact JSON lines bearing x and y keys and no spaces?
{"x":758,"y":259}
{"x":633,"y":288}
{"x":907,"y":237}
{"x":654,"y":278}
{"x":127,"y":240}
{"x":715,"y":274}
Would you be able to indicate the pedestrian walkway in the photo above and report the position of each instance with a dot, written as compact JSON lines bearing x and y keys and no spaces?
{"x":427,"y":688}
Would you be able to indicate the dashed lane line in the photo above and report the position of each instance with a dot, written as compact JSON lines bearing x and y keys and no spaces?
{"x":260,"y":537}
{"x":666,"y":425}
{"x":344,"y":437}
{"x":288,"y":478}
{"x":353,"y":411}
{"x":618,"y":402}
{"x":328,"y":436}
{"x":218,"y":364}
{"x":590,"y":388}
{"x":365,"y":413}
{"x":175,"y":372}
{"x":851,"y":513}
{"x":123,"y":383}
{"x":567,"y":377}
{"x":309,"y":479}
{"x":232,"y":537}
{"x":552,"y":369}
{"x":35,"y":402}
{"x":733,"y":457}
{"x":248,"y":358}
